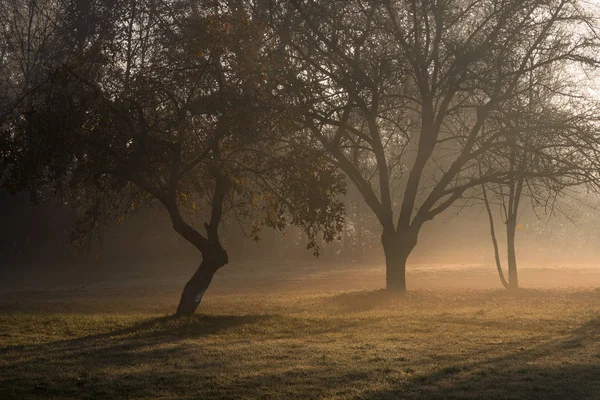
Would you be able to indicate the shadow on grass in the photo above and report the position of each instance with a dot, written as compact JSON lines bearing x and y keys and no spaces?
{"x":38,"y":371}
{"x":168,"y":326}
{"x":229,"y":356}
{"x":180,"y":352}
{"x":547,"y":371}
{"x":500,"y":382}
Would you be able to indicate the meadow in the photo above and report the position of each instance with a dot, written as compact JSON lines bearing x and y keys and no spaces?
{"x":303,"y":334}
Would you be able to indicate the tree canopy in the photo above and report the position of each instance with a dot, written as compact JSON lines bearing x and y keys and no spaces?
{"x":172,"y":104}
{"x":411,"y":99}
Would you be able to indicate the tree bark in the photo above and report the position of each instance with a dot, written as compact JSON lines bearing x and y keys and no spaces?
{"x":196,"y":287}
{"x":397,"y":247}
{"x":214,"y":255}
{"x":513,"y":277}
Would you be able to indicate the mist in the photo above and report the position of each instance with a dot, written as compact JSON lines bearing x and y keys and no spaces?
{"x":299,"y":199}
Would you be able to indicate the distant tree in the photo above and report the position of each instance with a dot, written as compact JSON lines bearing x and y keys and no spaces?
{"x":171,"y":104}
{"x":400,"y":95}
{"x":536,"y":125}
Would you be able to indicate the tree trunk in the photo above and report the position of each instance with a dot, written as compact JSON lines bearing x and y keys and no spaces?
{"x":513,"y":277}
{"x":196,"y":287}
{"x":397,"y":247}
{"x":494,"y":241}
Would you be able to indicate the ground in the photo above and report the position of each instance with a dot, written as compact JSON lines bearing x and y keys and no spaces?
{"x":300,"y":333}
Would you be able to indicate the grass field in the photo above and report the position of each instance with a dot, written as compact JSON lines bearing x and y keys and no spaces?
{"x":113,"y":342}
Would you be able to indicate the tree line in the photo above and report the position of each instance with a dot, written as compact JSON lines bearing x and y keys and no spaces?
{"x":267,"y":111}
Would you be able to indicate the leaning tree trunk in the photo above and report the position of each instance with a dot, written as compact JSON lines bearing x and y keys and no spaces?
{"x":494,"y":241}
{"x":214,"y":255}
{"x":397,"y":248}
{"x":196,"y":287}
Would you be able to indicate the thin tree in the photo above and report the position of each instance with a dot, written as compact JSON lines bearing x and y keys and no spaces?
{"x":535,"y":125}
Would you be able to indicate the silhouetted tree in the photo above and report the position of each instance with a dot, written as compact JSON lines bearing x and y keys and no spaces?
{"x":400,"y":93}
{"x":175,"y":104}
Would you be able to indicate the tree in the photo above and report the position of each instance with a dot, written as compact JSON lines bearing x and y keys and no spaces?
{"x":535,"y":124}
{"x":400,"y":93}
{"x":170,"y":104}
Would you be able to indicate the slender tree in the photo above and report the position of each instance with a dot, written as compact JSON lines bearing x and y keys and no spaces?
{"x":535,"y":125}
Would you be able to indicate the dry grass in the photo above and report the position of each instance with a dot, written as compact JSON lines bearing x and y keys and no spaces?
{"x":429,"y":344}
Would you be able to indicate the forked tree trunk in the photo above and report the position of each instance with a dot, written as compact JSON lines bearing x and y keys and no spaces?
{"x":397,"y":248}
{"x":214,"y":255}
{"x":196,"y":287}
